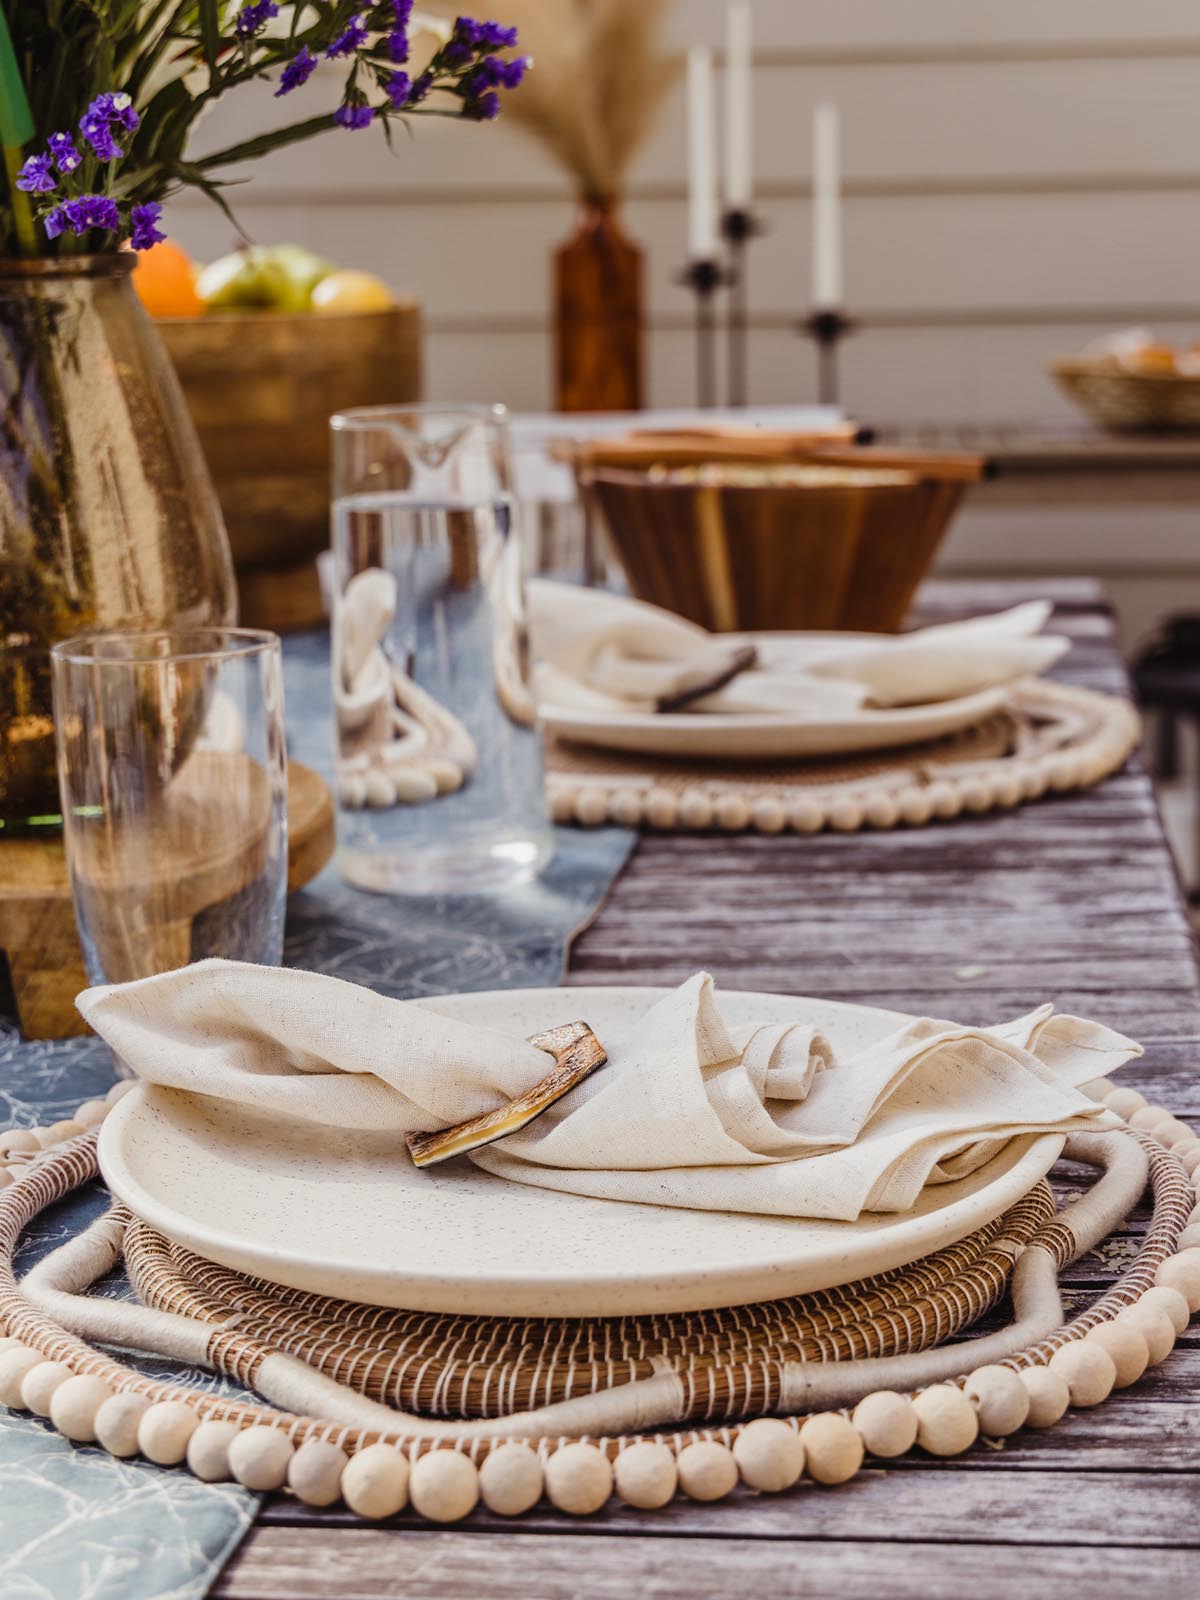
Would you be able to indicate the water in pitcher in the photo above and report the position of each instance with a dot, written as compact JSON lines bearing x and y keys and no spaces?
{"x":439,"y":764}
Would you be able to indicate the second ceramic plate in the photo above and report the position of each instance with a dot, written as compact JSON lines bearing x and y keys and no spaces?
{"x":767,"y":736}
{"x":348,"y":1215}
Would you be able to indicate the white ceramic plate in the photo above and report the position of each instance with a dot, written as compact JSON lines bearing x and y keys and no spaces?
{"x":769,"y":736}
{"x":350,"y":1216}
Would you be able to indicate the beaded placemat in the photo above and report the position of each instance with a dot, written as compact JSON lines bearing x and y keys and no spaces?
{"x":1050,"y":737}
{"x":359,"y":1406}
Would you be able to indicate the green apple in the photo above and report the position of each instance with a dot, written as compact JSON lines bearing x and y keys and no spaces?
{"x":262,"y":278}
{"x":303,"y":270}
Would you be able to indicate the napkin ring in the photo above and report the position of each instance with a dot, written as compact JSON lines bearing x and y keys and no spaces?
{"x":696,"y":684}
{"x":577,"y":1053}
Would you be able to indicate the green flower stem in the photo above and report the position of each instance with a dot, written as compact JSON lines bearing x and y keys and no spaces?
{"x":22,"y":211}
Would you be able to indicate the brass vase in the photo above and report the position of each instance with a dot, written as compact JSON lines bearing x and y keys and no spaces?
{"x":108,"y":518}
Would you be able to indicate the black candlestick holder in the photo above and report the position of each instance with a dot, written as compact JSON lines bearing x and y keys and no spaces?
{"x":738,"y":228}
{"x":704,"y":278}
{"x":827,"y":329}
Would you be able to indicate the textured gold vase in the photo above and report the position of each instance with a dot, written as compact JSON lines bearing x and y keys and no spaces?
{"x":108,"y":517}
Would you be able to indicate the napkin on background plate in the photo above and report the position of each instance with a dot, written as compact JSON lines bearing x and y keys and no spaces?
{"x":688,"y":1112}
{"x":606,"y":651}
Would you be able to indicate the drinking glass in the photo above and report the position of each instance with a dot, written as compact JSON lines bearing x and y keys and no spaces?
{"x":173,"y":777}
{"x":439,"y":762}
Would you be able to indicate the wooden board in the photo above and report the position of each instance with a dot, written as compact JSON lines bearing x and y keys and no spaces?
{"x":37,"y":917}
{"x":1073,"y":900}
{"x":284,"y":599}
{"x":261,"y":387}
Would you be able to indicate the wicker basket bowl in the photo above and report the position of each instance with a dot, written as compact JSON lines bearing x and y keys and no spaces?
{"x":1155,"y":402}
{"x":837,"y":540}
{"x":261,"y":387}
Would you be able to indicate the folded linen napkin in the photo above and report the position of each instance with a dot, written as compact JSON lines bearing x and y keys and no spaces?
{"x":605,"y":651}
{"x":688,"y":1112}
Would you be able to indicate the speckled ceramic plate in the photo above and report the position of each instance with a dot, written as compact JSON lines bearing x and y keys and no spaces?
{"x":349,"y":1215}
{"x":761,"y":737}
{"x":765,"y":736}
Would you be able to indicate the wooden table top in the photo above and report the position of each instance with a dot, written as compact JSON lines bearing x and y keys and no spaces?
{"x":1036,"y":448}
{"x":1073,"y":900}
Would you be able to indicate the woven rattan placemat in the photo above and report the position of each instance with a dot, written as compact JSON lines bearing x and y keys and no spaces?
{"x":1050,"y":737}
{"x":470,"y":1366}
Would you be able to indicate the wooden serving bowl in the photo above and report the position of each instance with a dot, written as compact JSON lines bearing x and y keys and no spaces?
{"x":836,"y":539}
{"x":261,"y":387}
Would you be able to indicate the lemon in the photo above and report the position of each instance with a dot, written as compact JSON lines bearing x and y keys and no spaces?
{"x":347,"y":290}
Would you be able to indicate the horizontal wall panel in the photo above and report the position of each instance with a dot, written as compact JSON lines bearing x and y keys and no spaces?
{"x":910,"y":122}
{"x":862,"y":25}
{"x":513,"y":369}
{"x":1032,"y":255}
{"x":933,"y":374}
{"x":902,"y":376}
{"x":1122,"y":540}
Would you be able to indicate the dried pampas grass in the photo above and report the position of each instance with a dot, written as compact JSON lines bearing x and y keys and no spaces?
{"x":598,"y":81}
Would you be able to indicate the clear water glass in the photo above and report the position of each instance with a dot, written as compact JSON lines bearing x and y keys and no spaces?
{"x":439,"y":762}
{"x":173,"y":776}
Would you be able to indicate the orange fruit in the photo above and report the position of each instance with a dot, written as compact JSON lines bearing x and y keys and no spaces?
{"x":165,"y":280}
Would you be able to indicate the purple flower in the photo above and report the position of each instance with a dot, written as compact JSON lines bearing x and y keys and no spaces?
{"x":54,"y":222}
{"x":102,"y":142}
{"x":471,"y":36}
{"x":399,"y":88}
{"x":493,"y":73}
{"x":353,"y":39}
{"x":98,"y":133}
{"x":144,"y":218}
{"x":253,"y":17}
{"x":492,"y":35}
{"x":482,"y":78}
{"x":120,"y":110}
{"x":297,"y":72}
{"x":420,"y":88}
{"x":97,"y":123}
{"x":402,"y":12}
{"x":90,"y":211}
{"x":352,"y":116}
{"x":36,"y":176}
{"x":62,"y":148}
{"x":483,"y":108}
{"x":398,"y":45}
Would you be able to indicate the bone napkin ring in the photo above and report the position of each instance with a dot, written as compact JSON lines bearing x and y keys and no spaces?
{"x":577,"y":1053}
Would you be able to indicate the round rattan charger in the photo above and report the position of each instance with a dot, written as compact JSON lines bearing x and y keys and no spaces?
{"x":1049,"y":738}
{"x":379,"y":1407}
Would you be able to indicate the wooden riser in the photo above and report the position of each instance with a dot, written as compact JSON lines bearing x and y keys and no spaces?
{"x":37,"y":916}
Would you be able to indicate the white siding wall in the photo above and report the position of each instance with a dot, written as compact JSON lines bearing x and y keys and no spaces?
{"x":1020,"y":174}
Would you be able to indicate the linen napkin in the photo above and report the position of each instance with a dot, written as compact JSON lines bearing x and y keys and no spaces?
{"x":606,"y":651}
{"x":688,"y":1112}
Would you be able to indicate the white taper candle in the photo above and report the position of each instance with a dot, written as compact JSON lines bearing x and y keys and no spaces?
{"x":702,"y":175}
{"x":826,"y":212}
{"x":738,"y":138}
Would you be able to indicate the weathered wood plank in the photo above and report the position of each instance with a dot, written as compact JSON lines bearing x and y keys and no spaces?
{"x":366,"y":1564}
{"x":939,"y":1502}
